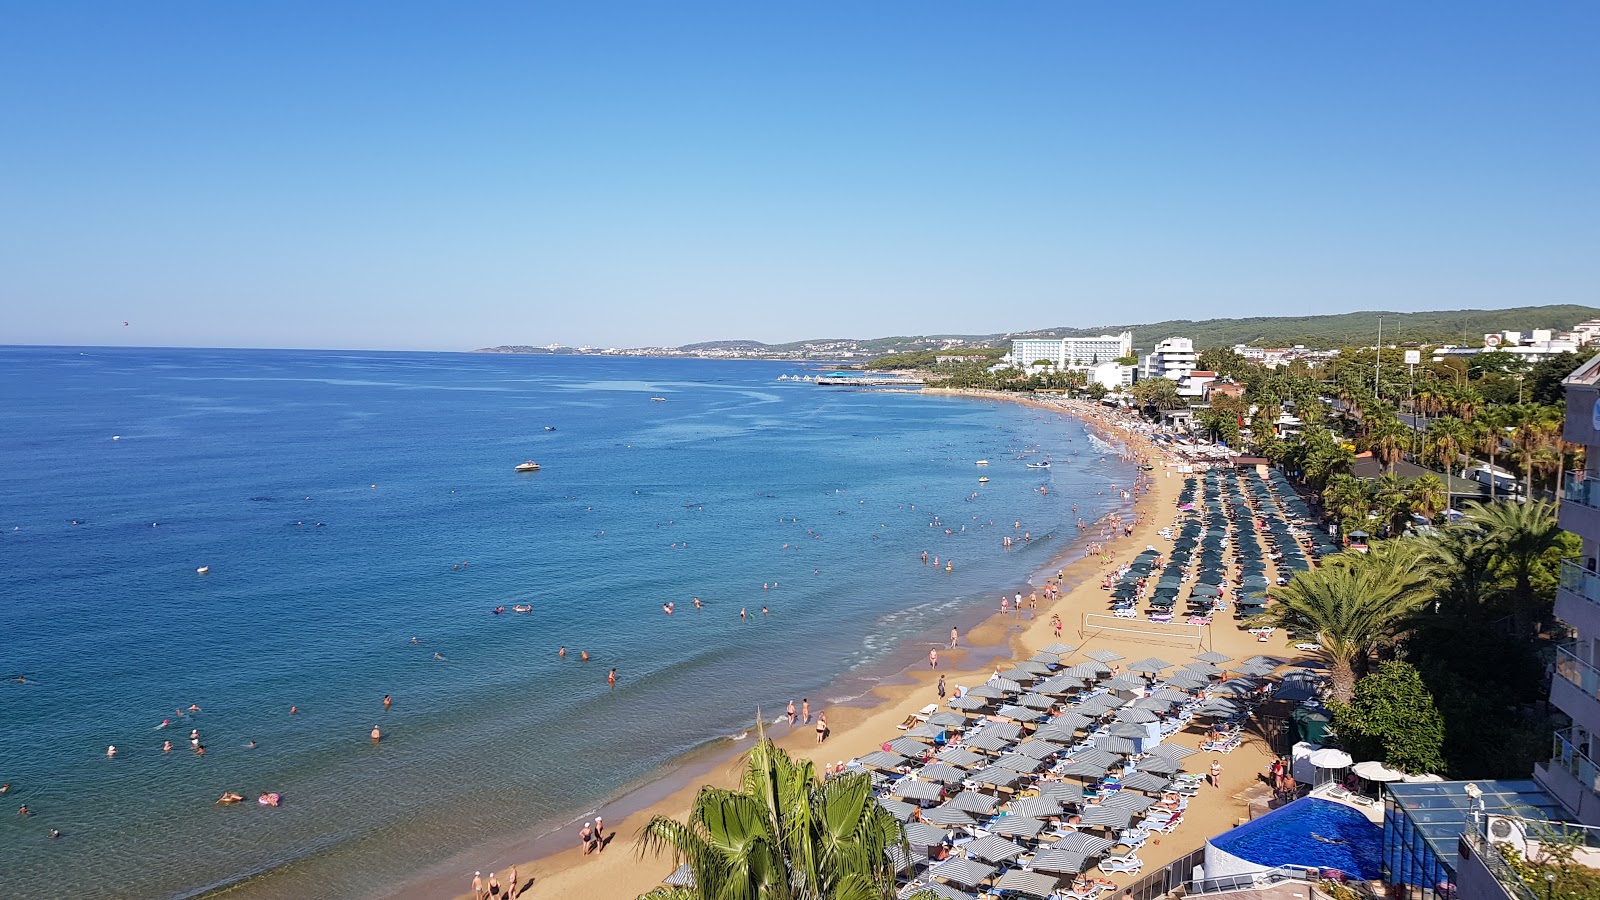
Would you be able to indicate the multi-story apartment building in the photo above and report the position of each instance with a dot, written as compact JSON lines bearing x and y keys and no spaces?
{"x":1572,"y":775}
{"x":1072,"y":351}
{"x":1173,"y":358}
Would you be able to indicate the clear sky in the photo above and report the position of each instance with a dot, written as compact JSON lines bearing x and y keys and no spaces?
{"x":456,"y":175}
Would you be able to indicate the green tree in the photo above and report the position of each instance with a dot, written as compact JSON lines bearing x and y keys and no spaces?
{"x":1392,"y":713}
{"x":1353,"y":604}
{"x":1388,"y":438}
{"x":1427,"y":495}
{"x":1519,"y":535}
{"x":1228,"y":364}
{"x":784,"y":835}
{"x":1464,"y":557}
{"x":1348,"y":499}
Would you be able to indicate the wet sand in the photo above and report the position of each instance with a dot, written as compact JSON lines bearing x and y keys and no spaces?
{"x":619,"y":872}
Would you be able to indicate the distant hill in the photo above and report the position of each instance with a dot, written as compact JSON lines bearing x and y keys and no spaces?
{"x":1455,"y":326}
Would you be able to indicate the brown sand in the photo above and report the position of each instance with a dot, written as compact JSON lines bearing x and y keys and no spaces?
{"x":618,"y":873}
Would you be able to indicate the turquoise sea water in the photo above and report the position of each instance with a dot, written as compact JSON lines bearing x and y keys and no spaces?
{"x":334,"y":495}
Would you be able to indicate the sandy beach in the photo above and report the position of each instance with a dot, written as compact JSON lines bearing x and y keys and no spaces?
{"x":619,"y":872}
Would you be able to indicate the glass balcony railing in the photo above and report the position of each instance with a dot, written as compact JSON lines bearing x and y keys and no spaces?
{"x":1580,"y":581}
{"x":1568,"y":756}
{"x":1581,"y":488}
{"x":1572,"y":667}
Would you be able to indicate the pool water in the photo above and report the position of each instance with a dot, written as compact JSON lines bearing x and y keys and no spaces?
{"x":1310,"y":832}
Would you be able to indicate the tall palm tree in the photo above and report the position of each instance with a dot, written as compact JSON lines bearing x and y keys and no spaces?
{"x":1447,"y":439}
{"x":1530,"y":433}
{"x":1464,"y":556}
{"x":1347,"y":498}
{"x":1388,"y":439}
{"x":1354,"y":603}
{"x":1489,"y":433}
{"x":1427,"y":495}
{"x":1518,"y":534}
{"x":783,"y":835}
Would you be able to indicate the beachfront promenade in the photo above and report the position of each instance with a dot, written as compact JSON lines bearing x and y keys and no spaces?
{"x":1092,"y":745}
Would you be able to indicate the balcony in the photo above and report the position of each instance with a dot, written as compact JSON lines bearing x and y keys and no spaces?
{"x":1580,"y":504}
{"x":1580,"y":581}
{"x":1570,"y":759}
{"x":1583,"y":675}
{"x":1576,"y":688}
{"x":1582,"y":488}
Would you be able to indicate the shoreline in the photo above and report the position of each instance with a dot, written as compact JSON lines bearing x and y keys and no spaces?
{"x":857,"y":726}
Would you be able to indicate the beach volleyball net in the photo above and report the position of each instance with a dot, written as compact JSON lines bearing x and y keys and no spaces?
{"x":1177,"y":633}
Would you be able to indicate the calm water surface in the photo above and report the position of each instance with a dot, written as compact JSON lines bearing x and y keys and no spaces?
{"x":348,"y":502}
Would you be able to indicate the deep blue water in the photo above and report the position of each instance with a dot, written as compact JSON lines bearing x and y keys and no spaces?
{"x":1284,"y":837}
{"x":334,"y":494}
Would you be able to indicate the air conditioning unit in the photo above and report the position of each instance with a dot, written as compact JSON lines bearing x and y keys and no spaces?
{"x":1508,"y":830}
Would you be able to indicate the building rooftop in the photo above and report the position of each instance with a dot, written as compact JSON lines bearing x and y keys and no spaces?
{"x":1441,"y":810}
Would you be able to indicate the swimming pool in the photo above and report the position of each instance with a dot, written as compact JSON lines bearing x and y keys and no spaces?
{"x":1307,"y":832}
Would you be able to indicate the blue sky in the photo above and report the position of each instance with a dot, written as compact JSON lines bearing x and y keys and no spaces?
{"x":449,"y":176}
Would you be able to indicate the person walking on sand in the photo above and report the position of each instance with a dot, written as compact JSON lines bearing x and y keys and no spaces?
{"x":477,"y":886}
{"x":822,"y":727}
{"x":805,"y":711}
{"x":941,"y":687}
{"x":494,"y":887}
{"x":586,"y":838}
{"x":599,"y":833}
{"x":511,"y":883}
{"x":1216,"y":773}
{"x":953,"y":635}
{"x":933,"y":659}
{"x":791,"y":713}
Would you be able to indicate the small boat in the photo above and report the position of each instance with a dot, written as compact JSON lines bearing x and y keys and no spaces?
{"x":983,"y":480}
{"x":983,"y":462}
{"x":549,"y":428}
{"x":658,"y":399}
{"x":202,"y":570}
{"x":529,"y":466}
{"x":1039,"y":465}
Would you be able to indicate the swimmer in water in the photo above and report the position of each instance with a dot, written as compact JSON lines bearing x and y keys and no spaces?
{"x":562,"y":652}
{"x":743,"y":616}
{"x":612,"y":678}
{"x":415,"y":641}
{"x":438,"y":657}
{"x":295,"y":710}
{"x":697,"y":603}
{"x":386,"y":702}
{"x":763,"y":610}
{"x":166,"y":747}
{"x":194,"y":708}
{"x":584,"y":655}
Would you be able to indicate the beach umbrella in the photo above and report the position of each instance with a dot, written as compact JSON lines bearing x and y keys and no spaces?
{"x":1039,"y":748}
{"x":1101,"y":815}
{"x":1204,"y":590}
{"x":926,"y":732}
{"x":904,"y":863}
{"x":1135,"y":803}
{"x":883,"y":759}
{"x":1373,"y":770}
{"x":905,"y":746}
{"x":901,"y":811}
{"x":1105,"y":656}
{"x":1019,"y":713}
{"x":989,"y":692}
{"x":960,"y":757}
{"x":1203,"y":669}
{"x":1112,"y":744}
{"x":921,"y":834}
{"x":1078,"y":842}
{"x":1068,"y":722}
{"x":1146,"y":781}
{"x":1166,"y":695}
{"x":998,"y":777}
{"x":1090,"y":671}
{"x":948,"y":815}
{"x":1036,"y":701}
{"x":1036,"y":668}
{"x":1188,"y":679}
{"x":941,"y":773}
{"x":1019,"y":762}
{"x":993,"y":848}
{"x":1099,"y":706}
{"x":1220,"y":708}
{"x":947,"y":720}
{"x":1149,"y":666}
{"x":1061,"y":792}
{"x":1008,"y":730}
{"x":1127,"y":730}
{"x":968,"y":702}
{"x":1160,"y":765}
{"x":1029,"y":884}
{"x":912,"y":789}
{"x":1136,"y":716}
{"x":1016,"y":826}
{"x":1237,"y":687}
{"x":1330,"y":758}
{"x":1172,"y":751}
{"x":1272,"y":661}
{"x":1036,"y":807}
{"x":1059,"y":648}
{"x":1159,"y":707}
{"x":939,"y":889}
{"x":1046,"y":657}
{"x":1008,"y":684}
{"x":1213,"y":657}
{"x":1125,"y":682}
{"x":989,"y":741}
{"x":682,"y":876}
{"x":974,"y":802}
{"x":962,"y":870}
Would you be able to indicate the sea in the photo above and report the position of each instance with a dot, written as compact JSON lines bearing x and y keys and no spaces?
{"x":361,"y":525}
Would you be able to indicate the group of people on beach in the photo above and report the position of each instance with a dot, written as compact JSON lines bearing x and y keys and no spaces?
{"x":490,"y":890}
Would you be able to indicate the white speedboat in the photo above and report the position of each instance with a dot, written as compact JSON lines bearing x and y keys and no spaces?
{"x":529,"y":466}
{"x":1039,"y":465}
{"x":983,"y":462}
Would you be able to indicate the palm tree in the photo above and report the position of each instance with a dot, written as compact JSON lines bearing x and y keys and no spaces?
{"x":1489,"y":431}
{"x":1447,"y":439}
{"x":1388,"y":441}
{"x":783,"y":835}
{"x":1463,"y":556}
{"x":1518,"y":535}
{"x":1427,"y":495}
{"x":1347,"y":499}
{"x":1354,"y":603}
{"x":1391,"y":496}
{"x":1529,"y":434}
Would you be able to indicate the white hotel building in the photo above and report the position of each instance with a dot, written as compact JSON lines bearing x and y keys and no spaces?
{"x":1096,"y":355}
